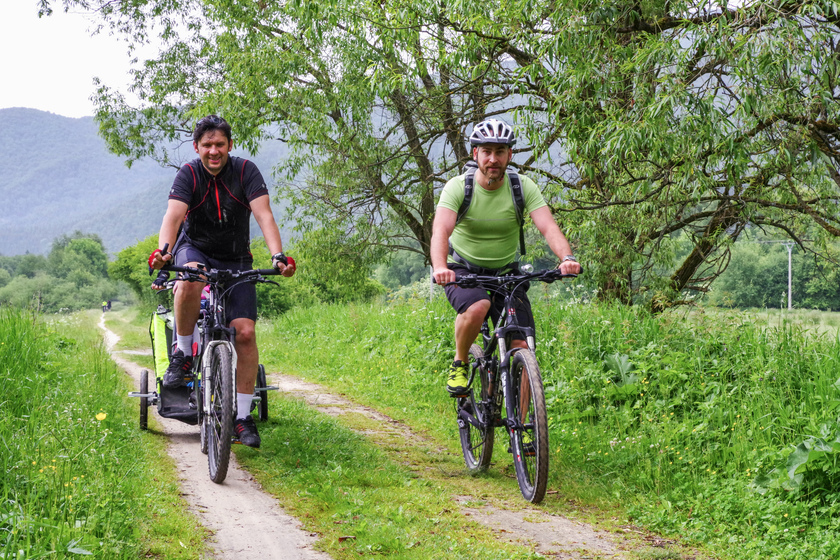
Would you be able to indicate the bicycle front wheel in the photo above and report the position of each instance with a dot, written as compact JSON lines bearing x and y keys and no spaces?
{"x":475,"y":423}
{"x":218,"y":422}
{"x":527,"y":425}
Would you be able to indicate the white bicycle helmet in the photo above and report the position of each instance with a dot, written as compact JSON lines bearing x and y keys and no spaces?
{"x":492,"y":131}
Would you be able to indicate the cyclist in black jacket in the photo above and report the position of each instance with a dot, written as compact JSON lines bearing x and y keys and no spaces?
{"x":213,"y":198}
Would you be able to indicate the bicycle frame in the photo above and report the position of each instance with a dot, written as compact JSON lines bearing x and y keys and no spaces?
{"x":499,"y":365}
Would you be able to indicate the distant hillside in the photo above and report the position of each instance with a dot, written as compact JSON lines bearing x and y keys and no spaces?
{"x":58,"y":177}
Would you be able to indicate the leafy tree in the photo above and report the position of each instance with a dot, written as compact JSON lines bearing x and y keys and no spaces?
{"x":131,"y":266}
{"x":682,"y":117}
{"x":401,"y":269}
{"x":79,"y":255}
{"x":29,"y":265}
{"x":643,"y":120}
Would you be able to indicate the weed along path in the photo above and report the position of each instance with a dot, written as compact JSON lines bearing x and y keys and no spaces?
{"x":547,"y":534}
{"x":244,"y":520}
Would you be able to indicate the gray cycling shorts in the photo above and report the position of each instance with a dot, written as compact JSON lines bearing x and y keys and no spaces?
{"x":462,"y":298}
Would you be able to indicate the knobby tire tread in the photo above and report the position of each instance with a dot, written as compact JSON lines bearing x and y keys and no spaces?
{"x":220,"y":420}
{"x":531,"y":471}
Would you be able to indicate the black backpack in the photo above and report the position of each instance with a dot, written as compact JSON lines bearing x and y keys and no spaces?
{"x":515,"y":192}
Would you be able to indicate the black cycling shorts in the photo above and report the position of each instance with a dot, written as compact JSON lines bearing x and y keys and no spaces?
{"x":241,"y":301}
{"x":462,"y":298}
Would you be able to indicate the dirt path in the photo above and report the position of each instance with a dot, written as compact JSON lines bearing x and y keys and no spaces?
{"x":251,"y":524}
{"x":279,"y":535}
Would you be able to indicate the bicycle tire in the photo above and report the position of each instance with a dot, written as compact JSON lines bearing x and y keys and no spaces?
{"x":144,"y":401}
{"x":475,"y":426}
{"x":219,"y":420}
{"x":530,"y":460}
{"x":262,"y":401}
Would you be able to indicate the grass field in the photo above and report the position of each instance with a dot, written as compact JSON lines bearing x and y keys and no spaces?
{"x":716,"y":428}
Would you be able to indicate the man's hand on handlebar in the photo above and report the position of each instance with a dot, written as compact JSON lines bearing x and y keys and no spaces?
{"x":159,"y":258}
{"x":285,"y":265}
{"x":160,"y":281}
{"x":443,"y":276}
{"x":570,"y":267}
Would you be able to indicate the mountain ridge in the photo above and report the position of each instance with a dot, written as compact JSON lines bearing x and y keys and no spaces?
{"x":59,"y":177}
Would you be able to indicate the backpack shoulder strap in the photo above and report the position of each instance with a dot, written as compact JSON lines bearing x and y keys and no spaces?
{"x":519,"y":204}
{"x":469,"y":185}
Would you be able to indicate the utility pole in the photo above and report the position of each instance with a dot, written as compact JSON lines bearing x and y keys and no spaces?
{"x":789,"y":245}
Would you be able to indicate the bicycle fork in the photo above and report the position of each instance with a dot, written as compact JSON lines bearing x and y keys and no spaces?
{"x":207,"y":372}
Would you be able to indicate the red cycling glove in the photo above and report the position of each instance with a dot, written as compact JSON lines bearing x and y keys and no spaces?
{"x":155,"y":253}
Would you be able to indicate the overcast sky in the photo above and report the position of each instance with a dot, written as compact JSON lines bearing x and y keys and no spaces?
{"x":49,"y":63}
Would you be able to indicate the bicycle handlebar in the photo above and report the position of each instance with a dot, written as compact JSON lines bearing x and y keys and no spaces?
{"x":474,"y":280}
{"x":219,"y":275}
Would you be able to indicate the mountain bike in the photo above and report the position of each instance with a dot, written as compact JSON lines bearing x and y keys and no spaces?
{"x":505,"y":388}
{"x":210,"y":394}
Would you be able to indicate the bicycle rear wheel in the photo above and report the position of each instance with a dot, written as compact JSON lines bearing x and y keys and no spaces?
{"x":262,"y":394}
{"x":218,"y":423}
{"x":144,"y":401}
{"x":528,"y":425}
{"x":475,"y":423}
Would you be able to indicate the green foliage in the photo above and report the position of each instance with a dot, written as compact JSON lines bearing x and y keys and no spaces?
{"x":56,"y":295}
{"x":72,"y":277}
{"x":272,"y":300}
{"x":132,"y":267}
{"x":401,"y":269}
{"x":81,"y":256}
{"x":757,"y":277}
{"x":336,"y":273}
{"x":27,"y":265}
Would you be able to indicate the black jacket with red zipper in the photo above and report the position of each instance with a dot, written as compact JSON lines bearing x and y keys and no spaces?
{"x":219,"y":214}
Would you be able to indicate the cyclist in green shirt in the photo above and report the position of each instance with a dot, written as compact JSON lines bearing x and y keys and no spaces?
{"x":485,"y":240}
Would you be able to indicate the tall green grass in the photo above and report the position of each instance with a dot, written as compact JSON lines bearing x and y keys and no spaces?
{"x":708,"y":427}
{"x":77,"y":472}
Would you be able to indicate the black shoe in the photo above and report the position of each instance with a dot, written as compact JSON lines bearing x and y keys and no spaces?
{"x":246,"y":432}
{"x":176,"y":373}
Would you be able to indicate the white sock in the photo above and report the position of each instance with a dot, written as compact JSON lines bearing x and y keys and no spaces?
{"x":185,"y":344}
{"x":243,"y":405}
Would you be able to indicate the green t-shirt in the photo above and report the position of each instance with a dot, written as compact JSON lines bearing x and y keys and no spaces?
{"x":488,"y":235}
